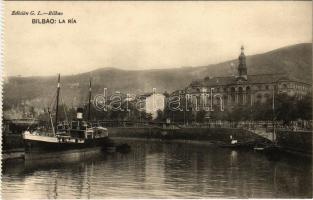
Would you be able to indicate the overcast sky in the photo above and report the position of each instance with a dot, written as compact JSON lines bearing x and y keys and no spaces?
{"x":146,"y":35}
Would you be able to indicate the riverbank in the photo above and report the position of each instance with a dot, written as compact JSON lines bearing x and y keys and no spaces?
{"x":17,"y":153}
{"x":188,"y":133}
{"x":294,"y":142}
{"x":299,"y":142}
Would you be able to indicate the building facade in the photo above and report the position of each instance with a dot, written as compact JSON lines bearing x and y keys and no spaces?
{"x":154,"y":102}
{"x":243,"y":89}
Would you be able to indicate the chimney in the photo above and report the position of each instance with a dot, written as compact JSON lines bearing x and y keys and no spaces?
{"x":79,"y":112}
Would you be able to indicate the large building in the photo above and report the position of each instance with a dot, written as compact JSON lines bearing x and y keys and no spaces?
{"x":153,"y":102}
{"x":245,"y":89}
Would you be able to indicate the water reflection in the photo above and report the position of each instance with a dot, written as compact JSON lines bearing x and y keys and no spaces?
{"x":162,"y":170}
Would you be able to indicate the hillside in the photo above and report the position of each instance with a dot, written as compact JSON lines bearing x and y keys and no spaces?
{"x":296,"y":60}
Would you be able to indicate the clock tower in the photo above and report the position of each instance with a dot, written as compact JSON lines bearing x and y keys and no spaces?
{"x":242,"y":68}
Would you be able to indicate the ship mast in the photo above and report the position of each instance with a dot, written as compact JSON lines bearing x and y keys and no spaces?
{"x":57,"y":105}
{"x":273,"y":108}
{"x":89,"y":99}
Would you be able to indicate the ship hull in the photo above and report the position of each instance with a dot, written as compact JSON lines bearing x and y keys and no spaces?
{"x":53,"y":158}
{"x":44,"y":146}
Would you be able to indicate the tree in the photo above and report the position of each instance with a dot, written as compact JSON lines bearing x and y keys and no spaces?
{"x":304,"y":107}
{"x":160,"y":115}
{"x":200,"y":116}
{"x":286,"y":108}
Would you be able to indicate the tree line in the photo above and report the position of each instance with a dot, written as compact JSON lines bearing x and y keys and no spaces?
{"x":286,"y":108}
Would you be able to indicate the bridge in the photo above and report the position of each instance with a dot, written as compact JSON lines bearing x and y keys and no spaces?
{"x":263,"y":132}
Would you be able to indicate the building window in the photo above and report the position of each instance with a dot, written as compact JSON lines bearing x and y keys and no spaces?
{"x":225,"y":99}
{"x":266,"y":96}
{"x":259,"y":98}
{"x":232,"y":94}
{"x":267,"y":87}
{"x":292,"y":85}
{"x":248,"y":91}
{"x":240,"y":95}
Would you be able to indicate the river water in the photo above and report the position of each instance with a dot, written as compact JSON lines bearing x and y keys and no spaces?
{"x":161,"y":170}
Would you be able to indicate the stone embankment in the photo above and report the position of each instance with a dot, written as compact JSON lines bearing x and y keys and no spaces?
{"x":192,"y":133}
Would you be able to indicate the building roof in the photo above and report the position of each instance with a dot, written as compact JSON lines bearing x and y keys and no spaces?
{"x":252,"y":79}
{"x":146,"y":95}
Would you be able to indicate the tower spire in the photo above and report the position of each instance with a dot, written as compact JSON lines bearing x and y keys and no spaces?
{"x":242,"y":68}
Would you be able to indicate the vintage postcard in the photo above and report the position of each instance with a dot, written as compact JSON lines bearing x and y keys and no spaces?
{"x":156,"y":99}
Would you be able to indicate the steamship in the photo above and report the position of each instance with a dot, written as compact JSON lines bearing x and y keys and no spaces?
{"x":59,"y":136}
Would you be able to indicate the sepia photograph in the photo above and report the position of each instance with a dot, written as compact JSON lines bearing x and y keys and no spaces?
{"x":156,"y":99}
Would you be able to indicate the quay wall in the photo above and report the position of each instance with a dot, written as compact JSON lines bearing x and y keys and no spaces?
{"x":295,"y":141}
{"x":292,"y":141}
{"x":208,"y":134}
{"x":12,"y":141}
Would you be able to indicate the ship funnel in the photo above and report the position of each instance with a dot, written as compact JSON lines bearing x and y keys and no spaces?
{"x":79,"y":113}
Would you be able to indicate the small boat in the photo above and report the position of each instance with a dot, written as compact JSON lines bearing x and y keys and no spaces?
{"x":272,"y":148}
{"x":58,"y":136}
{"x":258,"y":148}
{"x":237,"y":144}
{"x":271,"y":151}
